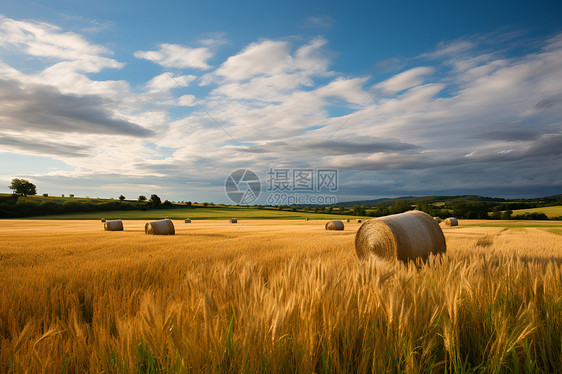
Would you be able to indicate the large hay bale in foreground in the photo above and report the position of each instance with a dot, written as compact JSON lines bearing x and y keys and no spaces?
{"x":187,"y":220}
{"x":233,"y":220}
{"x":405,"y":236}
{"x":451,"y":221}
{"x":113,"y":225}
{"x":334,"y":225}
{"x":437,"y":219}
{"x":161,"y":227}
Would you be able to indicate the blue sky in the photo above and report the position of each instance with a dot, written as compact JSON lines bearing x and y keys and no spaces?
{"x":402,"y":97}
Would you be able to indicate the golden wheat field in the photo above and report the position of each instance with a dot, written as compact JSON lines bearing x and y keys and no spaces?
{"x":275,"y":296}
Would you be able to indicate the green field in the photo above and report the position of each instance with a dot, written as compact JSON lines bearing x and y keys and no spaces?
{"x":550,"y":211}
{"x":200,"y":213}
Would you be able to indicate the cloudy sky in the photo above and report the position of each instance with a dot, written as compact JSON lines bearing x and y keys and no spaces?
{"x":403,"y":98}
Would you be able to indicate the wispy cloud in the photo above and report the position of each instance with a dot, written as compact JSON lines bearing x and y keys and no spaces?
{"x":42,"y":147}
{"x":178,"y":56}
{"x":319,"y":21}
{"x":405,"y":80}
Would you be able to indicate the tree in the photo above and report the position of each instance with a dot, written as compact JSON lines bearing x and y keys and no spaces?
{"x":45,"y":195}
{"x":507,"y":214}
{"x":359,"y":210}
{"x":400,"y":206}
{"x":142,"y":198}
{"x":23,"y":187}
{"x":425,"y":206}
{"x":71,"y":195}
{"x":121,"y":198}
{"x":155,"y":200}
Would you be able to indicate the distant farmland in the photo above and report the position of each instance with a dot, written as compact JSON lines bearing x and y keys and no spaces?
{"x":550,"y":211}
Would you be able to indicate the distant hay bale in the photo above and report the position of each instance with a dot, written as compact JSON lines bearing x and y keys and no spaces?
{"x":103,"y":220}
{"x":233,"y":220}
{"x":451,"y":221}
{"x":405,"y":236}
{"x":334,"y":225}
{"x":437,"y":219}
{"x":187,"y":220}
{"x":161,"y":227}
{"x":358,"y":221}
{"x":114,"y":225}
{"x":306,"y":219}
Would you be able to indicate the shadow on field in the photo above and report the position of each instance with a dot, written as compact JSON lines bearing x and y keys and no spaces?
{"x":557,"y":261}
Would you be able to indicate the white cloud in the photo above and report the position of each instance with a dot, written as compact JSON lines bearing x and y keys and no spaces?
{"x":46,"y":40}
{"x":267,"y":57}
{"x":405,"y":80}
{"x":178,"y":56}
{"x":166,"y":81}
{"x":186,"y":100}
{"x":272,"y":58}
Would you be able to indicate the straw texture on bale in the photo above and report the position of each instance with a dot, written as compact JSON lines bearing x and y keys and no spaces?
{"x":187,"y":220}
{"x":405,"y":236}
{"x":437,"y":219}
{"x":451,"y":221}
{"x":161,"y":227}
{"x":103,"y":220}
{"x":334,"y":225}
{"x":233,"y":220}
{"x":115,"y":225}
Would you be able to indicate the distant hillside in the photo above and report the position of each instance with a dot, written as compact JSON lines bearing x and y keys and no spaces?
{"x":450,"y":200}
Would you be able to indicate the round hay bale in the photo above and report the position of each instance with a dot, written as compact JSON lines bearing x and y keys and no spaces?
{"x":358,"y":221}
{"x":114,"y":225}
{"x":187,"y":220}
{"x":405,"y":236}
{"x":103,"y":220}
{"x":437,"y":219}
{"x":233,"y":220}
{"x":161,"y":227}
{"x":451,"y":221}
{"x":306,"y":219}
{"x":334,"y":225}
